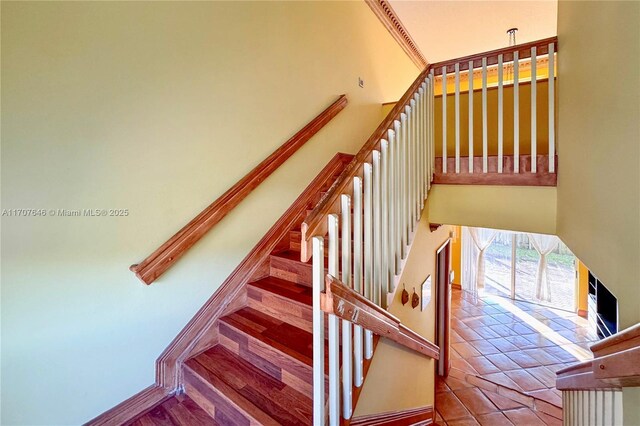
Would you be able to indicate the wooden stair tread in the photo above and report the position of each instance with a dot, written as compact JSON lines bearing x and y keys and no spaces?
{"x":179,"y":410}
{"x":287,"y":289}
{"x":286,"y":338}
{"x":257,"y":389}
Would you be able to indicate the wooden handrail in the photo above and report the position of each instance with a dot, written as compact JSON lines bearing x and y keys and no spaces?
{"x":168,"y":253}
{"x":524,"y":51}
{"x":616,"y":364}
{"x":315,"y":223}
{"x":346,"y":303}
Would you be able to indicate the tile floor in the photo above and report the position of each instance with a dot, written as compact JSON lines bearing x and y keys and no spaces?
{"x":514,"y":344}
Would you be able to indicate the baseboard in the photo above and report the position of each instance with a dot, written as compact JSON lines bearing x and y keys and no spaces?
{"x":420,"y":415}
{"x":456,"y":286}
{"x":132,"y":407}
{"x":582,"y":313}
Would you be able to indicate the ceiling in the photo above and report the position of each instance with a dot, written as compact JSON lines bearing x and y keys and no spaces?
{"x":450,"y":29}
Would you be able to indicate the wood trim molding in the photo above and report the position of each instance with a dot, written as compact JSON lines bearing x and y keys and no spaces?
{"x":132,"y":407}
{"x":524,"y":52}
{"x":315,"y":223}
{"x":168,"y":253}
{"x":423,"y":415}
{"x":350,"y":305}
{"x":625,"y":339}
{"x":385,"y":13}
{"x":168,"y":364}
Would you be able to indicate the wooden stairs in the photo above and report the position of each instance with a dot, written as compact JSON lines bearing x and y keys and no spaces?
{"x":259,"y":369}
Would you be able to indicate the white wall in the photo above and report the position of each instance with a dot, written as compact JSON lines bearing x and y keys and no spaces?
{"x":155,"y":107}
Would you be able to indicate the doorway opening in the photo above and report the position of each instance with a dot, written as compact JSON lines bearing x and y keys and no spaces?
{"x":527,"y":267}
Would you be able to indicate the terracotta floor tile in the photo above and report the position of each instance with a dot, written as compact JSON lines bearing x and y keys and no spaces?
{"x":503,"y":344}
{"x":522,"y":329}
{"x":494,"y":419}
{"x":475,"y":401}
{"x":544,"y":375}
{"x":441,"y":385}
{"x":520,"y":342}
{"x":522,"y":359}
{"x":549,"y":420}
{"x":468,"y":334}
{"x":502,"y":402}
{"x":525,"y":380}
{"x":502,"y":379}
{"x":503,"y":330}
{"x":539,"y":340}
{"x":549,"y":396}
{"x":486,"y":333}
{"x":484,"y":347}
{"x":542,"y":356}
{"x":455,"y":337}
{"x":503,"y":362}
{"x":467,"y":421}
{"x":482,"y":365}
{"x":454,"y":383}
{"x":505,"y":319}
{"x":450,"y":407}
{"x":560,"y":353}
{"x":464,"y":365}
{"x":523,"y":416}
{"x":465,"y":349}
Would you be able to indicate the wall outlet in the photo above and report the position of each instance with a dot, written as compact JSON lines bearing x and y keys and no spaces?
{"x":360,"y":82}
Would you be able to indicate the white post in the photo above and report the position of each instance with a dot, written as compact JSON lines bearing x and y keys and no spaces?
{"x":334,"y":344}
{"x":534,"y":103}
{"x":470,"y":116}
{"x":552,"y":114}
{"x":444,"y":119}
{"x":484,"y":116}
{"x":377,"y":230}
{"x":318,"y":332}
{"x":368,"y":249}
{"x":358,"y":377}
{"x":347,"y":351}
{"x":457,"y":115}
{"x":516,"y":114}
{"x":500,"y":114}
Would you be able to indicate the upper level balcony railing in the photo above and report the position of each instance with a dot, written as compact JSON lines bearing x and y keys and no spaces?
{"x":499,"y":120}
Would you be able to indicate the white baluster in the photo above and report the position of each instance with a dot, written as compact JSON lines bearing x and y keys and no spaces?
{"x":411,"y":167}
{"x":470,"y":116}
{"x":534,"y":103}
{"x":457,"y":115}
{"x":377,"y":234}
{"x":368,"y":249}
{"x":552,"y":113}
{"x":397,"y":194}
{"x":347,"y":351}
{"x":433,"y":127}
{"x":516,"y":114}
{"x":444,"y":119}
{"x":334,"y":344}
{"x":403,"y":190}
{"x":357,"y":278}
{"x":391,"y":134}
{"x":318,"y":332}
{"x":484,"y":117}
{"x":384,"y":225}
{"x":500,"y":114}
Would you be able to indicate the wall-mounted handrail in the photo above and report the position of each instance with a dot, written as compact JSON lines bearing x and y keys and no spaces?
{"x":168,"y":253}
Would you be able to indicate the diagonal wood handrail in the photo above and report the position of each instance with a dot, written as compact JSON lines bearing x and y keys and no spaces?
{"x":346,"y":303}
{"x":168,"y":253}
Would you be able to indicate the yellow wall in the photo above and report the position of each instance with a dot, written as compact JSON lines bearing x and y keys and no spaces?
{"x":155,"y":107}
{"x":400,"y":378}
{"x":599,"y":188}
{"x":515,"y":208}
{"x":583,"y":286}
{"x":456,"y":254}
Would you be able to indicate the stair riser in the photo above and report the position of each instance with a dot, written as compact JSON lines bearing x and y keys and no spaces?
{"x":291,"y":270}
{"x":289,"y":311}
{"x":214,"y":402}
{"x":269,"y":359}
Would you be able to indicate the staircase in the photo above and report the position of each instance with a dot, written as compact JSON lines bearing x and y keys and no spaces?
{"x":259,"y":370}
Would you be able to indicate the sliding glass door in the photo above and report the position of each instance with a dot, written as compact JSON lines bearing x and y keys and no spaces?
{"x":513,"y":264}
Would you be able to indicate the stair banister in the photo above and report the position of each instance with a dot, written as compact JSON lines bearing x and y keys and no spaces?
{"x":377,"y":201}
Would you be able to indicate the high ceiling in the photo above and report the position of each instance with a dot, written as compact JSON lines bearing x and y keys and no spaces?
{"x":450,"y":29}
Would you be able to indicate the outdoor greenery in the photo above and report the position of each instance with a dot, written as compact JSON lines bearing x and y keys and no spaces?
{"x":530,"y":255}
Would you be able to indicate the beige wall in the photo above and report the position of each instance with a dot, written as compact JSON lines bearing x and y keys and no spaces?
{"x":155,"y":107}
{"x":598,"y":130}
{"x":400,"y":378}
{"x":515,"y":208}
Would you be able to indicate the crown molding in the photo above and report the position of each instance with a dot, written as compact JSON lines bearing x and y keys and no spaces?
{"x":392,"y":23}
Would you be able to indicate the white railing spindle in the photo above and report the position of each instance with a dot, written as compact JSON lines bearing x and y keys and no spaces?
{"x":318,"y":333}
{"x":534,"y":104}
{"x":347,"y":351}
{"x":470,"y":116}
{"x":500,"y":114}
{"x":377,"y":228}
{"x":516,"y":115}
{"x":368,"y":249}
{"x":444,"y":119}
{"x":457,"y":115}
{"x":484,"y":117}
{"x":334,"y":344}
{"x":552,"y":113}
{"x":358,"y":357}
{"x":384,"y":225}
